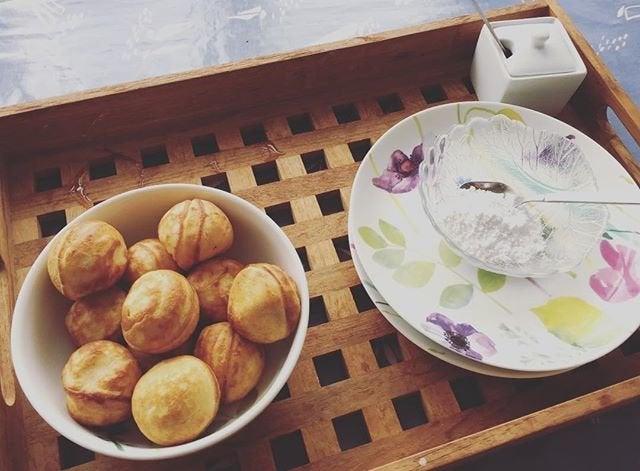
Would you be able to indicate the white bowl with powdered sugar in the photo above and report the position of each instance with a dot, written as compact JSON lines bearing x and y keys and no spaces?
{"x":489,"y":229}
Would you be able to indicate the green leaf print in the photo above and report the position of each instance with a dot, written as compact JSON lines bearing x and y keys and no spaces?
{"x":448,"y":257}
{"x":414,"y":274}
{"x":392,"y":233}
{"x":576,"y":322}
{"x":508,"y":112}
{"x":389,"y":258}
{"x":511,"y":114}
{"x":456,"y":296}
{"x":490,"y":281}
{"x":371,"y":238}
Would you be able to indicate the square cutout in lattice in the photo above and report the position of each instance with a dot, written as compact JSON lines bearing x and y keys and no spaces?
{"x":314,"y":161}
{"x":410,"y":410}
{"x":591,"y":366}
{"x":361,"y":298}
{"x":154,"y":156}
{"x":204,"y":145}
{"x":467,"y":392}
{"x":351,"y":430}
{"x":48,"y":179}
{"x":253,"y":134}
{"x":528,"y":384}
{"x":72,"y":455}
{"x":102,"y":168}
{"x":433,"y":93}
{"x":390,"y":103}
{"x":300,"y":123}
{"x":330,"y":368}
{"x":631,"y":345}
{"x":266,"y":172}
{"x":283,"y":394}
{"x":387,"y":350}
{"x":302,"y":254}
{"x":289,"y":451}
{"x":218,"y":180}
{"x":51,"y":223}
{"x":341,"y":244}
{"x":359,"y":149}
{"x":346,"y":113}
{"x":317,"y":311}
{"x":281,"y":214}
{"x":330,"y":202}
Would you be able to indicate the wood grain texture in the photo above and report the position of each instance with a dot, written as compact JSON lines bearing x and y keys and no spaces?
{"x":302,"y":166}
{"x":267,"y":85}
{"x":7,"y":296}
{"x":543,"y":421}
{"x":599,"y":82}
{"x":600,"y":91}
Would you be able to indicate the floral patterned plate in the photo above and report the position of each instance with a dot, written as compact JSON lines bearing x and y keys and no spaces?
{"x":429,"y":346}
{"x":524,"y":324}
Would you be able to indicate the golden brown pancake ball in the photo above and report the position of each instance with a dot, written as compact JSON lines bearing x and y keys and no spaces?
{"x":96,"y":316}
{"x":212,"y":281}
{"x":145,"y":256}
{"x":264,"y":305}
{"x":176,"y":400}
{"x":237,"y":363}
{"x":195,"y":230}
{"x":98,"y":381}
{"x":160,"y":312}
{"x":89,"y":257}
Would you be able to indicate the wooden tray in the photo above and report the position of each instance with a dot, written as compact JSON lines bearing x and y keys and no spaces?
{"x":287,"y":132}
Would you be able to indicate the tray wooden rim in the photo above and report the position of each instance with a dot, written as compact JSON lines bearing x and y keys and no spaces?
{"x":615,"y":97}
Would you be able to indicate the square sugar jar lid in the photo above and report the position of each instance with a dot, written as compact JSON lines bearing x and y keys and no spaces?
{"x":539,"y":46}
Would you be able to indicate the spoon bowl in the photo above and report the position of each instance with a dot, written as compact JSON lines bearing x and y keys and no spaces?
{"x":583,"y":197}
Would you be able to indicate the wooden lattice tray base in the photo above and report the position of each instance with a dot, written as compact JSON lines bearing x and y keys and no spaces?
{"x":287,"y":133}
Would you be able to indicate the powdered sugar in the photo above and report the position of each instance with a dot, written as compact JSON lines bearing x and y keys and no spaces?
{"x":488,"y":227}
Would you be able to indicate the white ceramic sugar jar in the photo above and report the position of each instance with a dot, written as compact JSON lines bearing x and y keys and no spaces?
{"x":542,"y":73}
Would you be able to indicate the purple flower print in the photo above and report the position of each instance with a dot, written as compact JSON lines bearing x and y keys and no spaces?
{"x":550,"y":152}
{"x":462,"y":338}
{"x":620,"y":281}
{"x":401,"y":174}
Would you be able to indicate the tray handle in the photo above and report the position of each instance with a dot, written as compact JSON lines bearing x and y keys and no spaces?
{"x":515,"y":431}
{"x":7,"y":377}
{"x":600,"y":91}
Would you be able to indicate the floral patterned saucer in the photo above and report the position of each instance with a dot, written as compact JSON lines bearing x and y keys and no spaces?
{"x":520,"y":324}
{"x":458,"y":359}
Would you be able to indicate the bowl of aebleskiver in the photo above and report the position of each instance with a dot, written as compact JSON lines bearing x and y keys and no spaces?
{"x":160,"y":322}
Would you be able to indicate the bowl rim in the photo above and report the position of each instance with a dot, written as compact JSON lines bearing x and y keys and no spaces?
{"x":233,"y":426}
{"x":479,"y":263}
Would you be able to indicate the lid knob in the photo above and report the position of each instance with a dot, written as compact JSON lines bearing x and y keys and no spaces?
{"x":539,"y":38}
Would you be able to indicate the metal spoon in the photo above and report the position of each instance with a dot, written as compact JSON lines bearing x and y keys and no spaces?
{"x":507,"y":53}
{"x":595,"y":197}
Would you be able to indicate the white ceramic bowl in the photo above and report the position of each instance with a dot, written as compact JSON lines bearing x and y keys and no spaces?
{"x":41,"y":346}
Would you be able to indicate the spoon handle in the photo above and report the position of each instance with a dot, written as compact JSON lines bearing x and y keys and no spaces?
{"x":485,"y":20}
{"x":597,"y":197}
